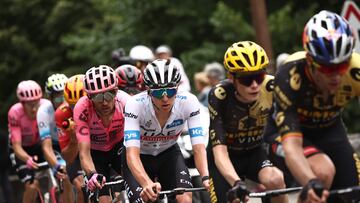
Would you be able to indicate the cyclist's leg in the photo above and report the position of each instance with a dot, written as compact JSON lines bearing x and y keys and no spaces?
{"x":132,"y":186}
{"x":261,"y":170}
{"x":76,"y":178}
{"x":116,"y":165}
{"x":218,"y":185}
{"x":173,"y":165}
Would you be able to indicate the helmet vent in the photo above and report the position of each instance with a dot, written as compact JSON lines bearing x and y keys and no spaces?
{"x":328,"y":46}
{"x":348,"y":47}
{"x":262,"y":59}
{"x":255,"y":57}
{"x":233,"y":53}
{"x":314,"y":34}
{"x":231,"y":64}
{"x":338,"y":46}
{"x":324,"y":24}
{"x":240,"y":63}
{"x":247,"y":59}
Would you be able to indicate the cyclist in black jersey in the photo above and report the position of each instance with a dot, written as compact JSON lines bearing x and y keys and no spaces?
{"x":238,"y":110}
{"x":311,"y":89}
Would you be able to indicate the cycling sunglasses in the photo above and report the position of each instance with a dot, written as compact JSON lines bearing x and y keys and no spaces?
{"x":340,"y":68}
{"x":247,"y":80}
{"x":104,"y":96}
{"x":159,"y":93}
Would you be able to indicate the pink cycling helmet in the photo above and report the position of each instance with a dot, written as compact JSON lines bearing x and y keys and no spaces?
{"x":28,"y":90}
{"x":100,"y":79}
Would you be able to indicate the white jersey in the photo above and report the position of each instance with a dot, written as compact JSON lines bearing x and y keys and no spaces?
{"x":45,"y":118}
{"x":143,"y":130}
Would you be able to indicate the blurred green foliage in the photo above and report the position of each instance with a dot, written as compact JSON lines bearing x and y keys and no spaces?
{"x":41,"y":37}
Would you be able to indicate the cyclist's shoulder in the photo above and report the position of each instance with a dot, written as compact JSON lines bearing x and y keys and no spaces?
{"x":122,"y":97}
{"x":83,"y":103}
{"x":63,"y":110}
{"x":294,"y":63}
{"x":16,"y":109}
{"x":185,"y":96}
{"x":355,"y":61}
{"x":46,"y":107}
{"x":222,"y":90}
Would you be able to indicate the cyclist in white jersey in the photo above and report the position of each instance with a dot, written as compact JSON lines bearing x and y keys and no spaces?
{"x":154,"y":119}
{"x":45,"y":117}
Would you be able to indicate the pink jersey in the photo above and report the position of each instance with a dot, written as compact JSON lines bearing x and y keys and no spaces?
{"x":89,"y":127}
{"x":21,"y":127}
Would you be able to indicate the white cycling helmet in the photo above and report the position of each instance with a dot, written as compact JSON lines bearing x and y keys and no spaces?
{"x":141,"y":53}
{"x":161,"y":73}
{"x":55,"y":83}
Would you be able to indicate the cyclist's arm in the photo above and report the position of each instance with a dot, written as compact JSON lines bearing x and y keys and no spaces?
{"x":223,"y":164}
{"x":48,"y":151}
{"x":70,"y":151}
{"x":19,"y":151}
{"x":295,"y":159}
{"x":87,"y":163}
{"x":136,"y":167}
{"x":201,"y":159}
{"x":217,"y":102}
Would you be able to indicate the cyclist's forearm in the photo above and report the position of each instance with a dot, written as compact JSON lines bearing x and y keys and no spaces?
{"x":136,"y":167}
{"x":20,"y":153}
{"x":48,"y":151}
{"x":70,"y":152}
{"x":86,"y":161}
{"x":224,"y":165}
{"x":200,"y":159}
{"x":297,"y":163}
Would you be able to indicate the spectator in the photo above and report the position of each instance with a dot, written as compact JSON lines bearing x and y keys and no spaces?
{"x":164,"y":52}
{"x":202,"y":85}
{"x":215,"y":72}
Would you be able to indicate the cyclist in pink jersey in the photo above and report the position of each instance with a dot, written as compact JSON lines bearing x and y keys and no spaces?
{"x":100,"y":127}
{"x":24,"y":135}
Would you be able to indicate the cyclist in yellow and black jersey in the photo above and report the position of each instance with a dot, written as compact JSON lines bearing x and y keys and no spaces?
{"x":238,"y":113}
{"x":311,"y":89}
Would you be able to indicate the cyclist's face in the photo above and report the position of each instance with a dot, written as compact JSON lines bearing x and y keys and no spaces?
{"x":57,"y":99}
{"x":104,"y":103}
{"x":31,"y":108}
{"x":163,"y":98}
{"x":248,"y":91}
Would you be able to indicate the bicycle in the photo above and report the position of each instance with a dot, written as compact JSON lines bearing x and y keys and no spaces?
{"x":267,"y":195}
{"x":347,"y":194}
{"x":55,"y":189}
{"x":94,"y":196}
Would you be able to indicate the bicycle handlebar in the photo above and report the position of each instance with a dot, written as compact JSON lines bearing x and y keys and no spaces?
{"x":344,"y":191}
{"x":178,"y":191}
{"x":274,"y":193}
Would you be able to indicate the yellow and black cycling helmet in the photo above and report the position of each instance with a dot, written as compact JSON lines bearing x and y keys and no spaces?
{"x":245,"y":57}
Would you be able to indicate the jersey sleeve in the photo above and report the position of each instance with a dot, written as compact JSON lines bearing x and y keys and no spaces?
{"x":286,"y":87}
{"x":44,"y":116}
{"x":132,"y":123}
{"x":62,"y":114}
{"x":14,"y":125}
{"x":217,"y":102}
{"x":81,"y":118}
{"x":193,"y":115}
{"x":355,"y":73}
{"x":123,"y":97}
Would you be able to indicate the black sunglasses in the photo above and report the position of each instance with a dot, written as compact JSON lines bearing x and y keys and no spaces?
{"x":247,"y":80}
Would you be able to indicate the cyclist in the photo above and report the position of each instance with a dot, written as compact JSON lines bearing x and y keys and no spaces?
{"x":164,"y":52}
{"x":130,"y":79}
{"x":119,"y":57}
{"x":24,"y":135}
{"x":238,"y":109}
{"x":154,"y":119}
{"x":100,"y":127}
{"x":73,"y":91}
{"x":141,"y":55}
{"x":54,"y":88}
{"x":311,"y":89}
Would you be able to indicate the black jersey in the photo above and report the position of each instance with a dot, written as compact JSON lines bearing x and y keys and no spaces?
{"x":298,"y":103}
{"x":235,"y":124}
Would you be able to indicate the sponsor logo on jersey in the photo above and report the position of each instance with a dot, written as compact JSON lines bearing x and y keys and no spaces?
{"x":195,"y":113}
{"x":132,"y":135}
{"x":130,"y":115}
{"x":194,"y":132}
{"x":175,"y":123}
{"x":181,"y":97}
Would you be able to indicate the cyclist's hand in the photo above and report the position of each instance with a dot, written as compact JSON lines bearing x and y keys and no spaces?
{"x":31,"y":162}
{"x":94,"y":183}
{"x":206,"y":182}
{"x":313,"y":192}
{"x":238,"y":193}
{"x":150,"y":192}
{"x":59,"y":171}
